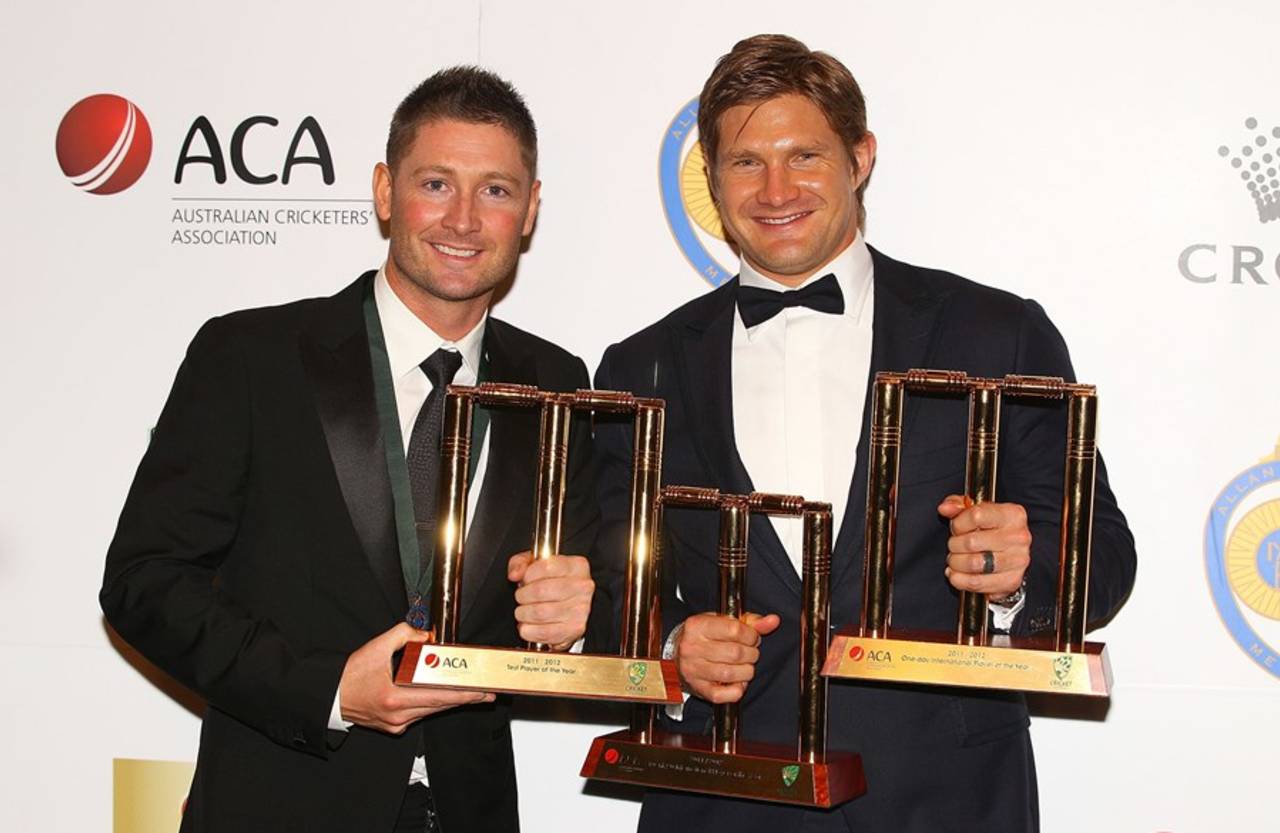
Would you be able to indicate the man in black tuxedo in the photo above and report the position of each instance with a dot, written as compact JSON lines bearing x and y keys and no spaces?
{"x":261,"y":556}
{"x":767,"y":387}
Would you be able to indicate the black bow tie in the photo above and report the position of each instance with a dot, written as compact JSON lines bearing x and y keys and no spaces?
{"x":757,"y":306}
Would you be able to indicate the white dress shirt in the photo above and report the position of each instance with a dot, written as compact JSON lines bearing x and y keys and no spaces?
{"x":409,"y":343}
{"x":799,"y":382}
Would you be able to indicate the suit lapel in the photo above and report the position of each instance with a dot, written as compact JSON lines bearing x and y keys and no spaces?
{"x":335,"y":358}
{"x":903,"y":333}
{"x":513,"y":444}
{"x":704,"y":351}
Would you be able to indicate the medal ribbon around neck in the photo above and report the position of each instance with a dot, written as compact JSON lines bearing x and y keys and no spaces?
{"x":417,"y":576}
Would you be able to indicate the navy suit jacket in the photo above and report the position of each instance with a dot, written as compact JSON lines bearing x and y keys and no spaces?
{"x":936,"y":759}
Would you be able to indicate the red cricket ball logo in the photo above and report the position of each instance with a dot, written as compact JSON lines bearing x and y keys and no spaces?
{"x":103,"y":144}
{"x":855,"y":653}
{"x":431,"y":660}
{"x":611,"y":756}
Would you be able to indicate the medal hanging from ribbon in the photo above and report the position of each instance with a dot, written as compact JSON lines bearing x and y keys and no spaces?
{"x":417,"y":552}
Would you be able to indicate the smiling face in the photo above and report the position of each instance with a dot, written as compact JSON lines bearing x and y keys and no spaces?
{"x":786,"y":185}
{"x":458,"y":204}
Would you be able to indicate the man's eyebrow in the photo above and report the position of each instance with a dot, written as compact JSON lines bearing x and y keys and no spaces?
{"x":502,"y":175}
{"x":816,"y":146}
{"x":445,"y":170}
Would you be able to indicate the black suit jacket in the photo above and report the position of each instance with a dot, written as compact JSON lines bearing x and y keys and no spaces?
{"x":256,"y":551}
{"x":936,"y":759}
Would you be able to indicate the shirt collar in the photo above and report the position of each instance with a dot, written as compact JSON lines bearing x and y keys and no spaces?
{"x":410,"y":342}
{"x":852,"y":268}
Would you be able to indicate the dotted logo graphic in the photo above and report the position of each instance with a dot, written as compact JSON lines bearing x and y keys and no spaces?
{"x":855,"y":653}
{"x":103,"y":144}
{"x":1242,"y":559}
{"x":686,"y":198}
{"x":1257,"y":162}
{"x":431,"y":660}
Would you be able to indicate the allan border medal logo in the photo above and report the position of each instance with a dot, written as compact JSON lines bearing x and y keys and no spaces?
{"x":686,"y":199}
{"x":1242,"y":559}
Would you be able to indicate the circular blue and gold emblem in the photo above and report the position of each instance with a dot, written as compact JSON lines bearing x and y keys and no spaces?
{"x":1242,"y":557}
{"x":686,"y":198}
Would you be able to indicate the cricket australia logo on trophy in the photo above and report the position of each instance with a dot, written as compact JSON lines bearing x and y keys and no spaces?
{"x":1242,"y":559}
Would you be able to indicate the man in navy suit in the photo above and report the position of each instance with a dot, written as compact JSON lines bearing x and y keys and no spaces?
{"x":766,"y":381}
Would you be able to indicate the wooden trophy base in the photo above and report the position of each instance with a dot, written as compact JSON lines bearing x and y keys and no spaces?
{"x":759,"y":771}
{"x":1010,"y":664}
{"x":516,"y":671}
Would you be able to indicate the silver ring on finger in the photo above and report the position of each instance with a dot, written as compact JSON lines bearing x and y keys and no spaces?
{"x":988,"y":563}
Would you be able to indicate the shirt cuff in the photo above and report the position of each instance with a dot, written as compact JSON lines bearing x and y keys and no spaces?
{"x":675,"y":712}
{"x":336,"y":723}
{"x":1005,"y":612}
{"x":576,"y":648}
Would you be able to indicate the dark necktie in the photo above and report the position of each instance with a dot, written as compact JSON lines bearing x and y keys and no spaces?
{"x":757,"y":306}
{"x":423,"y":458}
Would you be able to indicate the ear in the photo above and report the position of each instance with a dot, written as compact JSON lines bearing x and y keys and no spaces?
{"x":531,"y":214}
{"x":382,"y":191}
{"x":864,"y":158}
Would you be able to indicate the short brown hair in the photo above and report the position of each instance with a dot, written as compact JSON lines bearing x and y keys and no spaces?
{"x":468,"y":94}
{"x":767,"y":66}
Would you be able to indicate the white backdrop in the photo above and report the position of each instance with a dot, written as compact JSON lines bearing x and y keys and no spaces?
{"x":1070,"y":155}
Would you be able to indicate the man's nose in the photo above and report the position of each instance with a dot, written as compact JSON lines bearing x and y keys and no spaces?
{"x":778,"y":189}
{"x":461,"y":217}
